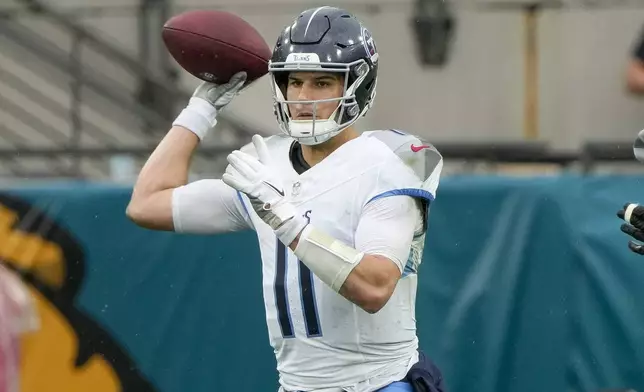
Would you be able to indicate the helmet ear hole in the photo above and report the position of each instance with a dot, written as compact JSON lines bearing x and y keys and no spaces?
{"x":281,"y":79}
{"x":353,"y":110}
{"x":369,"y":84}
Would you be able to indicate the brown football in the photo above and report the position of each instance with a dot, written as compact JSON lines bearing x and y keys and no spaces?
{"x":214,"y":45}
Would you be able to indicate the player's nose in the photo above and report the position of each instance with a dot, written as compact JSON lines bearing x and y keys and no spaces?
{"x":304,"y":93}
{"x":304,"y":107}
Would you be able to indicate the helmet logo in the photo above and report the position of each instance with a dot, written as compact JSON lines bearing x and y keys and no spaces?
{"x":369,"y":45}
{"x":303,"y":58}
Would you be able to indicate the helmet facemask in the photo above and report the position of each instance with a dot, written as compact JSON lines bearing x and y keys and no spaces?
{"x":347,"y":112}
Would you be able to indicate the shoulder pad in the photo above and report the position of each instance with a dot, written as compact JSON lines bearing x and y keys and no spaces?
{"x":419,"y":155}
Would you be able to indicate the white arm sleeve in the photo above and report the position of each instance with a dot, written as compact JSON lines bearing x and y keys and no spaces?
{"x":387,"y":227}
{"x":208,"y":207}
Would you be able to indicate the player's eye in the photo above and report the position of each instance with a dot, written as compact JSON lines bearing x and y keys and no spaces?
{"x":294,"y":82}
{"x":322,"y":83}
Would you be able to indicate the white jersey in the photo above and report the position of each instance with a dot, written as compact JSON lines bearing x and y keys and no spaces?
{"x":322,"y":340}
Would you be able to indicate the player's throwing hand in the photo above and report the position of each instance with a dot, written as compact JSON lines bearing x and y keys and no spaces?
{"x":633,"y":215}
{"x":207,"y":101}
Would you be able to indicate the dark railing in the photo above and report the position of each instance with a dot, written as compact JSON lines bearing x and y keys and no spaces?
{"x":590,"y":156}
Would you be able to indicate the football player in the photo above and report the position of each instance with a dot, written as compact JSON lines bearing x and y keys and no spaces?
{"x":633,"y":213}
{"x":340,"y":216}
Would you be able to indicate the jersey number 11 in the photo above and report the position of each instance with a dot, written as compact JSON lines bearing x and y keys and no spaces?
{"x":307,"y":296}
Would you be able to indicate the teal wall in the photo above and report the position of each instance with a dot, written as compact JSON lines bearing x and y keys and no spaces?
{"x":526,"y":285}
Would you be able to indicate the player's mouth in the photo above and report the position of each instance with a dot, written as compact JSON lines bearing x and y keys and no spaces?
{"x":305,"y":116}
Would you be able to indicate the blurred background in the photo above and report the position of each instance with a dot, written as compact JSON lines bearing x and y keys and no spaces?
{"x":527,"y":283}
{"x":88,"y":87}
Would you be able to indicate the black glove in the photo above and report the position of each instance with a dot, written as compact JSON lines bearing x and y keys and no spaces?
{"x":633,"y":215}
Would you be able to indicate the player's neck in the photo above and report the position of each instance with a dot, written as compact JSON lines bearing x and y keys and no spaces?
{"x":315,"y":154}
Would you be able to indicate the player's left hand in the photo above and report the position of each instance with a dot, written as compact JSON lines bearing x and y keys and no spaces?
{"x":261,"y":182}
{"x":633,"y":215}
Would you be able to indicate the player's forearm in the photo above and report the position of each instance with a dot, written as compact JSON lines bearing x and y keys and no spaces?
{"x":371,"y":283}
{"x":168,"y":165}
{"x":366,"y":280}
{"x":166,"y":168}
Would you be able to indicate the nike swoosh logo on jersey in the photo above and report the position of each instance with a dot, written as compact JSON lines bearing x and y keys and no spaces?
{"x":281,"y":192}
{"x":419,"y":148}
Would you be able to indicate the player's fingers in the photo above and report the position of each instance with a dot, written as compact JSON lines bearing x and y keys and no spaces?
{"x":240,"y":182}
{"x":238,"y":161}
{"x":223,"y":94}
{"x":633,"y":231}
{"x":250,"y":160}
{"x":233,"y":172}
{"x":620,"y":213}
{"x":203,"y":88}
{"x":635,"y":247}
{"x":221,"y":98}
{"x":262,"y":149}
{"x":237,"y":81}
{"x":235,"y":182}
{"x":231,"y":181}
{"x":227,"y":91}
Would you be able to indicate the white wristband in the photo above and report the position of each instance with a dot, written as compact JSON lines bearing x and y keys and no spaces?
{"x":198,"y":117}
{"x":629,"y":212}
{"x":329,"y":259}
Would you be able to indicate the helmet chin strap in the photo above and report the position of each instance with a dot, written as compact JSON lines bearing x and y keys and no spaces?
{"x":312,"y":132}
{"x":303,"y":127}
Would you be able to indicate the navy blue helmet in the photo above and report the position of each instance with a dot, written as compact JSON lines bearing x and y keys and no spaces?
{"x":325,"y":39}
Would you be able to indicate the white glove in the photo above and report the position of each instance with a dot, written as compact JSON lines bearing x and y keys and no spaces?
{"x":264,"y":187}
{"x":208,"y":99}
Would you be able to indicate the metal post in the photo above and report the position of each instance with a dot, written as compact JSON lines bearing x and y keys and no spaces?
{"x":75,"y":107}
{"x":153,"y":56}
{"x":531,"y":59}
{"x":530,"y":13}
